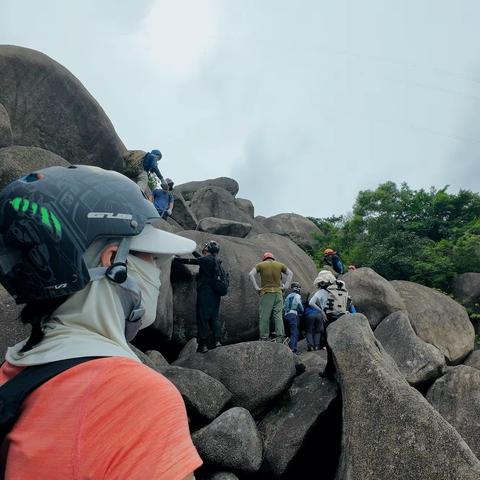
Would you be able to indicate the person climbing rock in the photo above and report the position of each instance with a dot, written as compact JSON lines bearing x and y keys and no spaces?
{"x":293,"y":309}
{"x":150,"y":165}
{"x":208,"y":299}
{"x":86,"y":271}
{"x":163,"y":199}
{"x":332,"y":301}
{"x":332,"y":262}
{"x":271,"y":300}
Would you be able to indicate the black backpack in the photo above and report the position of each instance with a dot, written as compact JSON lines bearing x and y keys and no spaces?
{"x":221,"y":280}
{"x":16,"y":390}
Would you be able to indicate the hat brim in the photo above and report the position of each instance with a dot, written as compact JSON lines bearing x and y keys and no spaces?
{"x":159,"y":242}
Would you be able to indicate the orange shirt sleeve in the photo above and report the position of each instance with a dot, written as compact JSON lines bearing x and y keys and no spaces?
{"x":134,"y":426}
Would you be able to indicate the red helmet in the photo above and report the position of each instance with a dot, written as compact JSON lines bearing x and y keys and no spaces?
{"x":268,"y":255}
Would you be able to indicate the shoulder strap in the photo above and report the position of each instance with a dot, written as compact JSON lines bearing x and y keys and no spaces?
{"x":14,"y":392}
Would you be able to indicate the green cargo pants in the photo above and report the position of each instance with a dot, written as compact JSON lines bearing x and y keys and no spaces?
{"x":271,"y":308}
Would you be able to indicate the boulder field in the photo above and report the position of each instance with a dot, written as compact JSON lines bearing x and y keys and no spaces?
{"x":404,"y":401}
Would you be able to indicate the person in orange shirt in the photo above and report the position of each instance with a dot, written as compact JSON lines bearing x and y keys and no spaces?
{"x":79,"y":247}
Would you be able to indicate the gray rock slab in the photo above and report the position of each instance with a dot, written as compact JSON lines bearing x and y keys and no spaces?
{"x":372,"y":295}
{"x":18,"y":161}
{"x":314,"y":361}
{"x":6,"y":135}
{"x":50,"y":108}
{"x":188,"y":189}
{"x":473,"y":360}
{"x":456,"y":396}
{"x":466,"y":288}
{"x":417,"y":360}
{"x":390,"y":431}
{"x":231,"y":441}
{"x":438,"y":320}
{"x":13,"y":330}
{"x":157,"y":359}
{"x":182,"y":213}
{"x":297,"y":228}
{"x":287,"y":426}
{"x":220,"y":226}
{"x":204,"y":396}
{"x":254,"y":372}
{"x":246,"y":206}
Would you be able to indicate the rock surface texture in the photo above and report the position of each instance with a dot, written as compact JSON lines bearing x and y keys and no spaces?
{"x":6,"y":135}
{"x":417,"y":360}
{"x":49,"y":108}
{"x":254,"y":372}
{"x":372,"y":295}
{"x":231,"y":441}
{"x":438,"y":320}
{"x":285,"y":428}
{"x":18,"y":161}
{"x":220,"y":226}
{"x":190,"y":188}
{"x":204,"y":396}
{"x":297,"y":228}
{"x":466,"y":288}
{"x":390,"y":432}
{"x":473,"y":360}
{"x":456,"y":396}
{"x":13,"y":330}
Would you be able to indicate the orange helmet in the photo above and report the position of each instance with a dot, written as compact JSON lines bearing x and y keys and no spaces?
{"x":329,"y":251}
{"x":268,"y":255}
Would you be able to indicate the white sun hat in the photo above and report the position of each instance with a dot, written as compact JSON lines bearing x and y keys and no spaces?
{"x":153,"y":240}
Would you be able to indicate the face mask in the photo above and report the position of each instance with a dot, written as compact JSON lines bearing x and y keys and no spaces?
{"x":147,"y":275}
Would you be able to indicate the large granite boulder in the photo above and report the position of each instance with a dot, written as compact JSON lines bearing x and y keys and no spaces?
{"x":390,"y":431}
{"x":231,"y":441}
{"x":220,"y":226}
{"x":49,"y":108}
{"x":372,"y":295}
{"x":18,"y":161}
{"x":314,"y":361}
{"x":182,"y":214}
{"x":466,"y":288}
{"x":13,"y":330}
{"x":456,"y":396}
{"x":287,"y":426}
{"x":417,"y":360}
{"x":217,"y":202}
{"x":190,"y":188}
{"x":438,"y":320}
{"x":239,"y":308}
{"x":254,"y":372}
{"x":246,"y":206}
{"x":6,"y":135}
{"x":158,"y":360}
{"x":204,"y":396}
{"x":297,"y":228}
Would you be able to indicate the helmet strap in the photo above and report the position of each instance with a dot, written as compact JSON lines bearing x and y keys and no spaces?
{"x":117,"y":271}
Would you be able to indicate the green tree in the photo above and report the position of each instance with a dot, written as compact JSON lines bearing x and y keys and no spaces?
{"x":419,"y":235}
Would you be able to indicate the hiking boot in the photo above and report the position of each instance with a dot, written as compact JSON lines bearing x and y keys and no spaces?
{"x":310,"y":348}
{"x":202,"y":349}
{"x":217,"y":344}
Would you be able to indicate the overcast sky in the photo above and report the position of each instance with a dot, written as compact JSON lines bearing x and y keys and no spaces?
{"x":303,"y":102}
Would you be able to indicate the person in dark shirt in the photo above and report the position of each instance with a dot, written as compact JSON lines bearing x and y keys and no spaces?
{"x":208,"y":301}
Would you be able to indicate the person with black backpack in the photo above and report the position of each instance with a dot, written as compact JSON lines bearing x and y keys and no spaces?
{"x":331,"y":300}
{"x":212,"y":284}
{"x":79,"y":248}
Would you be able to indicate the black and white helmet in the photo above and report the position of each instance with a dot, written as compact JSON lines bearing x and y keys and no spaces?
{"x":296,"y":287}
{"x":211,"y":246}
{"x":49,"y":218}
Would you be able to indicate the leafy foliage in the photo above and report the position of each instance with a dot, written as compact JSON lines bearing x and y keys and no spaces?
{"x":418,"y":235}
